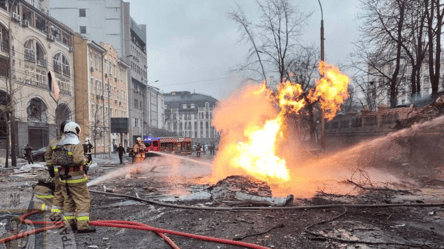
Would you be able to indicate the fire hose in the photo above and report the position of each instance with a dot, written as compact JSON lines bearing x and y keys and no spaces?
{"x":126,"y":224}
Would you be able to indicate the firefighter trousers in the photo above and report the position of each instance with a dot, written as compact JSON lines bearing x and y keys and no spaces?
{"x":44,"y":198}
{"x":57,"y":202}
{"x":77,"y":200}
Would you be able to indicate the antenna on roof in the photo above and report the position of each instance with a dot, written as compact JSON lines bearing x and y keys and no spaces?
{"x":194,"y":90}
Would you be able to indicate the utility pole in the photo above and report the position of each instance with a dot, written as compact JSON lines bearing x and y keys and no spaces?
{"x":322,"y":75}
{"x":109,"y":112}
{"x":12,"y":132}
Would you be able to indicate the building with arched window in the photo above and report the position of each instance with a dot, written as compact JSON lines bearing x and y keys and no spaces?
{"x":37,"y":90}
{"x":191,"y":115}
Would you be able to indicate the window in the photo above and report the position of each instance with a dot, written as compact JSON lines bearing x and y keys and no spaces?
{"x":61,"y":64}
{"x":82,"y":29}
{"x":82,"y":12}
{"x":36,"y":110}
{"x":34,"y":52}
{"x":184,"y":106}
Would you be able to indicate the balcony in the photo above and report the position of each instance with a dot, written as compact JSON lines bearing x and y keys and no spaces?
{"x":4,"y":46}
{"x":29,"y":55}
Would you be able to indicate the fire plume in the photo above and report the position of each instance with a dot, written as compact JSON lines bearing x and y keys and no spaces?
{"x":331,"y":90}
{"x":253,"y":123}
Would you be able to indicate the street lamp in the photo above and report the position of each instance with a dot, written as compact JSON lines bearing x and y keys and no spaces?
{"x":322,"y":75}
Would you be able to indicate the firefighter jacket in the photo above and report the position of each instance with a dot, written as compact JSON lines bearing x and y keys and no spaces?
{"x":139,"y":149}
{"x":70,"y":155}
{"x":74,"y":163}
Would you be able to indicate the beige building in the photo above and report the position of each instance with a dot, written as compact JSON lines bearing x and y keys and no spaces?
{"x":38,"y":45}
{"x":101,"y":91}
{"x":116,"y":77}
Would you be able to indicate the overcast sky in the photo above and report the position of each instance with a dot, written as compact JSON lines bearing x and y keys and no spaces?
{"x":192,"y":45}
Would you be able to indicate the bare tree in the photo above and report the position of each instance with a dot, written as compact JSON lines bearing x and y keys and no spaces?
{"x":274,"y":39}
{"x":379,"y":51}
{"x":434,"y":16}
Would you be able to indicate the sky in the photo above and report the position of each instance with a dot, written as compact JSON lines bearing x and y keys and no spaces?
{"x":193,"y":46}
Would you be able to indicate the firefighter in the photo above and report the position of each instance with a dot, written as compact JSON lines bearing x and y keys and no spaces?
{"x":48,"y":191}
{"x":44,"y":193}
{"x":139,"y":150}
{"x":87,"y":146}
{"x":73,"y":166}
{"x":58,"y":199}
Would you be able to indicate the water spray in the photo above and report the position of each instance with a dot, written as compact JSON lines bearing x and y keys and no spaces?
{"x":128,"y":169}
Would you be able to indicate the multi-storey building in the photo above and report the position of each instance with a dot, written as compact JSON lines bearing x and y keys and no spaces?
{"x":110,"y":21}
{"x":39,"y":92}
{"x":190,"y":115}
{"x":101,"y":91}
{"x":117,"y":90}
{"x":157,"y":109}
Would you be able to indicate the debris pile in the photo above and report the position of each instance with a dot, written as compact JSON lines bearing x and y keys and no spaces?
{"x":226,"y":189}
{"x":422,"y":114}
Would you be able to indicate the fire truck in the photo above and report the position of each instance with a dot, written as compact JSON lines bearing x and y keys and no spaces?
{"x":152,"y":145}
{"x":176,"y":145}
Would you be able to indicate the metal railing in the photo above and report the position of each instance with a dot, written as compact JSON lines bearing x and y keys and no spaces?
{"x":66,"y":70}
{"x":42,"y":62}
{"x":29,"y":55}
{"x":57,"y":67}
{"x":4,"y":46}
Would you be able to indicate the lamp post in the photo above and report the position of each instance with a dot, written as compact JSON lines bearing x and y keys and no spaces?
{"x":322,"y":75}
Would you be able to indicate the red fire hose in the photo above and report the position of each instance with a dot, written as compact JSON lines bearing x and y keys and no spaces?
{"x":140,"y":226}
{"x":126,"y":224}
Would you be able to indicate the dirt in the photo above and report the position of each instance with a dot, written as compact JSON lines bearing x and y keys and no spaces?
{"x":394,"y":227}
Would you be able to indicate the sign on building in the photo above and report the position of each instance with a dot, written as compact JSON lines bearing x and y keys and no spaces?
{"x":119,"y":125}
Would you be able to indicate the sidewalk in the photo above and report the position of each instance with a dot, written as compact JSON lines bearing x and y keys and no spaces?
{"x":102,"y":159}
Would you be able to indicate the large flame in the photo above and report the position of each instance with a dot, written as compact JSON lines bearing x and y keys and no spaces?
{"x":331,"y":90}
{"x":253,"y":126}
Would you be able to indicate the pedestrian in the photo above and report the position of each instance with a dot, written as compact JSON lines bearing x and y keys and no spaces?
{"x":28,"y":154}
{"x":198,"y":149}
{"x":121,"y":151}
{"x":139,"y":150}
{"x":69,"y":155}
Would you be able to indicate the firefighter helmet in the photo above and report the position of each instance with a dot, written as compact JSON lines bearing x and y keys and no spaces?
{"x":72,"y":127}
{"x":62,"y":125}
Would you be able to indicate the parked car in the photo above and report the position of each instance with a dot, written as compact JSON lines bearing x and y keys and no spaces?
{"x":37,"y":155}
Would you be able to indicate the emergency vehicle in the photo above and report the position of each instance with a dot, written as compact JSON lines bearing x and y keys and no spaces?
{"x":176,"y":145}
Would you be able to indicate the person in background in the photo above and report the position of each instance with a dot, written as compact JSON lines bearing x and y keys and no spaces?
{"x":198,"y":149}
{"x":121,"y":151}
{"x":28,"y":154}
{"x":139,"y":150}
{"x":88,"y":147}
